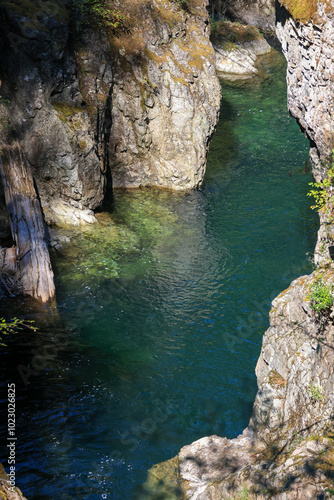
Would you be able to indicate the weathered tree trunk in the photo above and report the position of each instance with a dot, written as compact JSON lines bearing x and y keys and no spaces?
{"x":27,"y":226}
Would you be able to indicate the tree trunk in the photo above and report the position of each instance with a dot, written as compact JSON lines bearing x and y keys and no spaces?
{"x":27,"y":226}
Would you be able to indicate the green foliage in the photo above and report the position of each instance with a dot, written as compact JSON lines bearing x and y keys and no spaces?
{"x":13,"y":325}
{"x":98,"y":14}
{"x":5,"y":121}
{"x":225,"y":32}
{"x":315,"y":391}
{"x":321,"y":190}
{"x":321,"y":297}
{"x":243,"y":494}
{"x":183,"y":4}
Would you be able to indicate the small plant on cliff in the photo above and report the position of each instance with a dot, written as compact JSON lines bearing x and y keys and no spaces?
{"x":321,"y":191}
{"x":12,"y":326}
{"x":99,"y":14}
{"x":224,"y":32}
{"x":183,"y":4}
{"x":321,"y":297}
{"x":315,"y":391}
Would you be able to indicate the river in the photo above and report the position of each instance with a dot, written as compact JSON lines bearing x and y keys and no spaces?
{"x":164,"y":308}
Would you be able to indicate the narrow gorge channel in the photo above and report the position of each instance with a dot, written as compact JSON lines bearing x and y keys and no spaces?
{"x":164,"y":321}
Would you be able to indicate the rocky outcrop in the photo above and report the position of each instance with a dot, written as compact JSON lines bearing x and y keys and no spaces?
{"x":260,"y":13}
{"x":43,"y":108}
{"x":308,"y":48}
{"x":7,"y":491}
{"x":240,"y":61}
{"x":165,"y":98}
{"x":287,"y":451}
{"x":88,"y":107}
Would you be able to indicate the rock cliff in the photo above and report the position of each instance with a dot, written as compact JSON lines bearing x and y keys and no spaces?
{"x":260,"y":13}
{"x":287,"y":451}
{"x":7,"y":491}
{"x":308,"y":49}
{"x":87,"y":106}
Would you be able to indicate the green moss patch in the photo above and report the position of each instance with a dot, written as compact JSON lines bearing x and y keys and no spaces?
{"x":225,"y":32}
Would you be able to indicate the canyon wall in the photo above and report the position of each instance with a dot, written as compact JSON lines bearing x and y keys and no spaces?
{"x":260,"y":13}
{"x":92,"y":108}
{"x":308,"y":49}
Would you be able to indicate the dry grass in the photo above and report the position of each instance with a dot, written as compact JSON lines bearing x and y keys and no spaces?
{"x":301,"y":10}
{"x":225,"y":32}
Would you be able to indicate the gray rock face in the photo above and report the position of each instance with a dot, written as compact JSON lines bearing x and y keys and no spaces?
{"x":39,"y":70}
{"x":141,"y":106}
{"x":308,"y":49}
{"x":241,"y":60}
{"x":296,"y":363}
{"x":260,"y":13}
{"x":165,"y":99}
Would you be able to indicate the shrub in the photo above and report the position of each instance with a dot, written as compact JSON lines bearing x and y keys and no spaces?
{"x":321,"y":190}
{"x":321,"y":297}
{"x":97,"y":13}
{"x":226,"y":32}
{"x":315,"y":391}
{"x":13,"y":325}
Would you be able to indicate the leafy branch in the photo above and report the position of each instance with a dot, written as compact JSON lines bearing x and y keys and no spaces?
{"x":99,"y":14}
{"x":12,"y":326}
{"x":321,"y":190}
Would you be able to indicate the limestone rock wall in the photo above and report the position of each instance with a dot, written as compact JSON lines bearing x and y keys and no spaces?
{"x":308,"y":49}
{"x":90,"y":108}
{"x":165,"y":97}
{"x":297,"y":357}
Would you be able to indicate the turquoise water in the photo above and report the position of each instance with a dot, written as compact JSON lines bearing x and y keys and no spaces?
{"x":163,"y":331}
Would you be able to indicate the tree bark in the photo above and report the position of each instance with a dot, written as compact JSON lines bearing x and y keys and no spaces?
{"x":27,"y":226}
